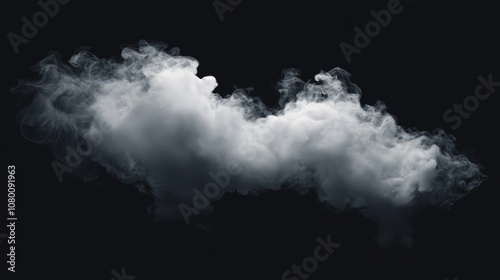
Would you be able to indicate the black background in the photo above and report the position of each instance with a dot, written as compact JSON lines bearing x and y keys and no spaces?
{"x":424,"y":61}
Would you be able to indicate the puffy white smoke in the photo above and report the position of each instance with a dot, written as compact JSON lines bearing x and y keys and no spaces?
{"x":149,"y":118}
